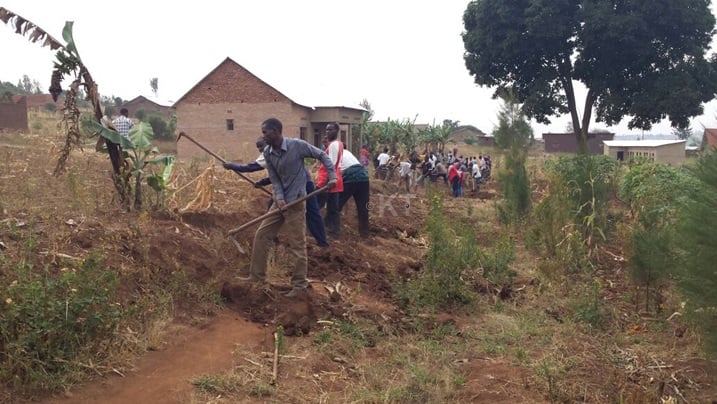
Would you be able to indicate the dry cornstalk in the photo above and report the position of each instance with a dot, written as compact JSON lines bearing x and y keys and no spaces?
{"x":275,"y":369}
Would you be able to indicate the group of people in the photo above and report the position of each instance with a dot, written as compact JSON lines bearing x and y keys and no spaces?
{"x":341,"y":175}
{"x":459,"y":172}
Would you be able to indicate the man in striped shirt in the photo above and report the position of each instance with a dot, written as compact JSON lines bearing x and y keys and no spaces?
{"x":123,"y":124}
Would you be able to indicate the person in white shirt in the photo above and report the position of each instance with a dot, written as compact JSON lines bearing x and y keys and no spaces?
{"x":356,"y":186}
{"x":383,"y":160}
{"x":404,"y":174}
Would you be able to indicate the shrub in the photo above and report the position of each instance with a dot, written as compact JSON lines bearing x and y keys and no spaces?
{"x":140,"y":114}
{"x":654,"y":193}
{"x":452,"y":250}
{"x":589,"y":183}
{"x":50,"y":321}
{"x":159,"y":127}
{"x":554,"y":233}
{"x":696,"y":238}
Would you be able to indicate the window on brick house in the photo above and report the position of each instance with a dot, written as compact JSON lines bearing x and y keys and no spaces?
{"x":230,"y":124}
{"x":302,"y":133}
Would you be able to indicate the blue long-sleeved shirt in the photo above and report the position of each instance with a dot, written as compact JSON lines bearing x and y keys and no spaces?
{"x":286,"y":167}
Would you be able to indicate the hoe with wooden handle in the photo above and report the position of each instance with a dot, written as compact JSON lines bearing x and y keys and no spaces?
{"x":278,"y":211}
{"x":216,"y":156}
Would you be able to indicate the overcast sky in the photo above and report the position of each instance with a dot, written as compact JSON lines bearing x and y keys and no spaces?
{"x":404,"y":56}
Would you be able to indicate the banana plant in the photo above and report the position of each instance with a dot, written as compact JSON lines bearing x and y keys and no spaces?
{"x":138,"y":148}
{"x":69,"y":63}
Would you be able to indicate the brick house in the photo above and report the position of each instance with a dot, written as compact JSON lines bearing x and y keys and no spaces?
{"x":461,"y":133}
{"x":149,"y":106}
{"x":568,"y":143}
{"x":670,"y":152}
{"x":709,"y":139}
{"x":39,"y":102}
{"x":13,"y":116}
{"x":225,"y":109}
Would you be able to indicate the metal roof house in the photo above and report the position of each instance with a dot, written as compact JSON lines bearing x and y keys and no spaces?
{"x":670,"y":152}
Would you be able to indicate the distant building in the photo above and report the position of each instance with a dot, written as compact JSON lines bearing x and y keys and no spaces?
{"x":568,"y":142}
{"x":709,"y":140}
{"x":149,"y":107}
{"x":39,"y":102}
{"x":670,"y":152}
{"x":13,"y":116}
{"x":462,"y":133}
{"x":225,"y":109}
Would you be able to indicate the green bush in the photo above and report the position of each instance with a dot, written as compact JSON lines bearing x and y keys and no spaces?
{"x":515,"y":186}
{"x":696,"y":238}
{"x":496,"y":263}
{"x":140,"y":114}
{"x":588,"y":307}
{"x":554,"y":234}
{"x":159,"y":127}
{"x":50,"y":321}
{"x":452,"y":250}
{"x":654,"y":193}
{"x":590,"y":183}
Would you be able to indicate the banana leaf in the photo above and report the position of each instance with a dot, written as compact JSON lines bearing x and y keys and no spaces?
{"x":112,"y":136}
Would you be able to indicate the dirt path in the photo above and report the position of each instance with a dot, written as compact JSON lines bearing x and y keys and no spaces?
{"x":164,"y":376}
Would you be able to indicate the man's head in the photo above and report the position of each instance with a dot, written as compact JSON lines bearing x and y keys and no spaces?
{"x":271,"y":132}
{"x":332,"y":131}
{"x":124,"y":112}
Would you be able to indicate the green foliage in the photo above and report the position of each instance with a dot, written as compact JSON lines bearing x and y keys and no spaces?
{"x":436,"y":136}
{"x":630,"y":67}
{"x":695,"y":235}
{"x":513,"y":131}
{"x":590,"y":182}
{"x":50,"y":321}
{"x":516,"y":192}
{"x":50,"y":106}
{"x":565,"y":222}
{"x":513,"y":134}
{"x":496,"y":263}
{"x":452,"y":250}
{"x":138,"y":148}
{"x":140,"y":114}
{"x":655,"y":193}
{"x":8,"y":88}
{"x":159,"y":127}
{"x":588,"y":307}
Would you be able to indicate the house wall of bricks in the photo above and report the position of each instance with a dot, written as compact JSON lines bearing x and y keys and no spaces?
{"x":148,"y":106}
{"x":207,"y":124}
{"x":568,"y":143}
{"x":671,"y":154}
{"x":13,"y":117}
{"x":225,"y":109}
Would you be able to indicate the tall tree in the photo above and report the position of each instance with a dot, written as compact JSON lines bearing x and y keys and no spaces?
{"x":682,"y":133}
{"x":27,"y":84}
{"x":639,"y":58}
{"x":513,"y":134}
{"x":154,"y":84}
